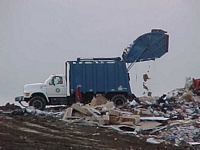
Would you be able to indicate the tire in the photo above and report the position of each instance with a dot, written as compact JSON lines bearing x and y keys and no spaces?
{"x":38,"y":102}
{"x":119,"y":100}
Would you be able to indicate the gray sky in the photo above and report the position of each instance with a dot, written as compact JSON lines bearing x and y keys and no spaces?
{"x":38,"y":36}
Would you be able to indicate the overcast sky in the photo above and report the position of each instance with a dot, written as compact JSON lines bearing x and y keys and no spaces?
{"x":38,"y":36}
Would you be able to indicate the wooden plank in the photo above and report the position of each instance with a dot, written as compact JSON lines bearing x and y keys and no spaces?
{"x":68,"y":113}
{"x":91,"y":111}
{"x":95,"y":111}
{"x":159,"y":129}
{"x":80,"y":109}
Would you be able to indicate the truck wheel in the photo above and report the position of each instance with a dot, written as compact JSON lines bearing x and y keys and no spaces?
{"x":119,"y":100}
{"x":38,"y":102}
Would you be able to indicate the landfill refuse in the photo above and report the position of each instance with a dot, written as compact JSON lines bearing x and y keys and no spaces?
{"x":172,"y":118}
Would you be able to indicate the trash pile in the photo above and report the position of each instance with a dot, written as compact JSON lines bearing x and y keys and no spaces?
{"x":173,"y":118}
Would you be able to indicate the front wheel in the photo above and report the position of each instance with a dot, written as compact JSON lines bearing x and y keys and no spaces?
{"x":119,"y":100}
{"x":38,"y":102}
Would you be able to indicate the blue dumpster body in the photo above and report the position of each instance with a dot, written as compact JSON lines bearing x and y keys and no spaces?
{"x":98,"y":76}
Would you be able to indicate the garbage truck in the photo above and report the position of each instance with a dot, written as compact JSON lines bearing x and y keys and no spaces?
{"x":86,"y":77}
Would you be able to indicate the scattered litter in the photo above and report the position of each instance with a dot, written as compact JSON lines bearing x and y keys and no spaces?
{"x":96,"y":134}
{"x":172,"y":118}
{"x":154,"y":118}
{"x":194,"y":143}
{"x":153,"y":141}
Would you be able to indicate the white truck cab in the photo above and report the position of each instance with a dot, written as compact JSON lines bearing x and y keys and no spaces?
{"x":52,"y":91}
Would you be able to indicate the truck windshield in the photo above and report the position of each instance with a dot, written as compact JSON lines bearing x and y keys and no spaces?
{"x":48,"y":79}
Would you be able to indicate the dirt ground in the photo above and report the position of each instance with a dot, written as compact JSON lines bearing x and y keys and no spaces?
{"x":31,"y":132}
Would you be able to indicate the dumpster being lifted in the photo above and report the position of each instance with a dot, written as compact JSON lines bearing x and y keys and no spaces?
{"x":90,"y":76}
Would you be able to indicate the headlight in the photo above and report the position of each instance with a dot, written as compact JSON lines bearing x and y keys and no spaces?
{"x":27,"y":94}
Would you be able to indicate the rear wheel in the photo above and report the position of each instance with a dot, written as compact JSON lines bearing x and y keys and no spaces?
{"x":119,"y":100}
{"x":38,"y":102}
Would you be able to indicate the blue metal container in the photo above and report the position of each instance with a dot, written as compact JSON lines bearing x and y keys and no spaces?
{"x":99,"y":75}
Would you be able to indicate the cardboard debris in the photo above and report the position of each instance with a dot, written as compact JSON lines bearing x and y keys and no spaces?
{"x":187,"y":96}
{"x":94,"y":118}
{"x":175,"y":118}
{"x":93,"y":102}
{"x":110,"y":105}
{"x":127,"y":113}
{"x":129,"y":123}
{"x":145,"y":113}
{"x":114,"y":120}
{"x":78,"y":114}
{"x":104,"y":120}
{"x":104,"y":107}
{"x":135,"y":119}
{"x":149,"y":125}
{"x":142,"y":112}
{"x":99,"y":100}
{"x":114,"y":112}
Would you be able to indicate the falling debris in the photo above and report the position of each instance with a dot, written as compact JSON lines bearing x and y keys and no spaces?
{"x":145,"y":87}
{"x":145,"y":77}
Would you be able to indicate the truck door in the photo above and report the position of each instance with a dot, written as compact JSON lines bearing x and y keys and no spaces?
{"x":56,"y":87}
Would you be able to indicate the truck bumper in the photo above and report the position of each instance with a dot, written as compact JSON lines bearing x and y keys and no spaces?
{"x":19,"y":98}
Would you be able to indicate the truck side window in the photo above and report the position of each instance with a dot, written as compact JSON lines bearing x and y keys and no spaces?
{"x":60,"y":80}
{"x":57,"y":80}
